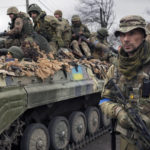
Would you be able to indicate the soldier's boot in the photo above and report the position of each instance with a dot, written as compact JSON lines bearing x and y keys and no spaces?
{"x":76,"y":48}
{"x":86,"y":49}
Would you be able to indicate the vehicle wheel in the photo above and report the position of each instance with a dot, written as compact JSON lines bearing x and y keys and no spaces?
{"x":35,"y":137}
{"x":59,"y":131}
{"x":93,"y":119}
{"x":78,"y":126}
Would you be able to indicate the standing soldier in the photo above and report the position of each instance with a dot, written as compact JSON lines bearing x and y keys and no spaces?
{"x":47,"y":26}
{"x":101,"y":48}
{"x":80,"y":33}
{"x":21,"y":31}
{"x":64,"y":27}
{"x":126,"y":95}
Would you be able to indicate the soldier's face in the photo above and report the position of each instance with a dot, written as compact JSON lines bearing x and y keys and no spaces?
{"x":57,"y":16}
{"x":33,"y":15}
{"x":11,"y":16}
{"x":131,"y":40}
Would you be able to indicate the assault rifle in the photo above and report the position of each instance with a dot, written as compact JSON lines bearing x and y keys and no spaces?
{"x":133,"y":114}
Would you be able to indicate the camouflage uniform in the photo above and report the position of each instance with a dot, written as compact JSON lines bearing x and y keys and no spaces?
{"x":65,"y":28}
{"x":22,"y":31}
{"x":130,"y":76}
{"x":79,"y":30}
{"x":148,"y":32}
{"x":47,"y":26}
{"x":101,"y":48}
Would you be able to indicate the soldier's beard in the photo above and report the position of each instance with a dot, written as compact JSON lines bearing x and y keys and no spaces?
{"x":77,"y":24}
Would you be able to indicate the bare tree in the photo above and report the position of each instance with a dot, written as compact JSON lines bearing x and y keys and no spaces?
{"x":97,"y":12}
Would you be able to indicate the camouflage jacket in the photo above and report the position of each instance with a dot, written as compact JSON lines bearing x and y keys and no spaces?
{"x":46,"y":26}
{"x":136,"y":91}
{"x":65,"y":30}
{"x":22,"y":26}
{"x":102,"y":51}
{"x":82,"y":28}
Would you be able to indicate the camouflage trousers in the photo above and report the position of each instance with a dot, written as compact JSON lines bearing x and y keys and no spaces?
{"x":126,"y":145}
{"x":76,"y":48}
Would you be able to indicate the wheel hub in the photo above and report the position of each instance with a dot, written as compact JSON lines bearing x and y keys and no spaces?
{"x":80,"y":128}
{"x":39,"y":144}
{"x":62,"y":135}
{"x":94,"y":121}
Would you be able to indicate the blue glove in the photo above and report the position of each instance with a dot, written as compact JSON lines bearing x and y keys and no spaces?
{"x":103,"y":100}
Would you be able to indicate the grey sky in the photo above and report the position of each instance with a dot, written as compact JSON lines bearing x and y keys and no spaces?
{"x":121,"y":8}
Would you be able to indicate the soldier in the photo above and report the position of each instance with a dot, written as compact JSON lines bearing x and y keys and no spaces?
{"x":64,"y":27}
{"x":101,"y":48}
{"x":22,"y":30}
{"x":126,"y":93}
{"x":80,"y":33}
{"x":148,"y":32}
{"x":47,"y":26}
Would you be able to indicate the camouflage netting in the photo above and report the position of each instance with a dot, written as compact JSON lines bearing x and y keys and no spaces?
{"x":44,"y":65}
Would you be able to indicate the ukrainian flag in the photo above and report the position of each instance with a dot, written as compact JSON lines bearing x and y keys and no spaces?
{"x":77,"y":74}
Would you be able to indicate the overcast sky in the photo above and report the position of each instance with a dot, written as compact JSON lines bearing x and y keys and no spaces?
{"x":121,"y":8}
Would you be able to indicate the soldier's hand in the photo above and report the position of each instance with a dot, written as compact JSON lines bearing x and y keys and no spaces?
{"x":80,"y":32}
{"x":123,"y":118}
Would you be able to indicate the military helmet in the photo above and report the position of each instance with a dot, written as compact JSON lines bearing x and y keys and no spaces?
{"x":12,"y":10}
{"x":75,"y":18}
{"x":103,"y":32}
{"x":16,"y":52}
{"x":58,"y":12}
{"x":34,"y":7}
{"x":129,"y":23}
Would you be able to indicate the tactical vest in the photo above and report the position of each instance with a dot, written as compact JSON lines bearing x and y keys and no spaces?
{"x":44,"y":27}
{"x":137,"y":90}
{"x":27,"y":29}
{"x":76,"y":30}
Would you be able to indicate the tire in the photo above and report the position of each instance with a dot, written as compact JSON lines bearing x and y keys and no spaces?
{"x":93,"y":119}
{"x":78,"y":126}
{"x":35,"y":137}
{"x":59,"y":131}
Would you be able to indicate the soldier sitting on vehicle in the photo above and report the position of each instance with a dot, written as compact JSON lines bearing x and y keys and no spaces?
{"x":65,"y":28}
{"x":22,"y":30}
{"x":80,"y":33}
{"x":101,"y":48}
{"x":47,"y":26}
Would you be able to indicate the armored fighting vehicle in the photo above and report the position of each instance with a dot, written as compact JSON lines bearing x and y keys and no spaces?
{"x":52,"y":113}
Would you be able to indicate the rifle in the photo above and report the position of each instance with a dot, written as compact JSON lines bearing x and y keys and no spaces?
{"x":133,"y":114}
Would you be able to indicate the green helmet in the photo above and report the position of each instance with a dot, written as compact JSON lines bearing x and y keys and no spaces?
{"x":16,"y":52}
{"x":58,"y":12}
{"x":103,"y":32}
{"x":12,"y":10}
{"x":34,"y":7}
{"x":129,"y":23}
{"x":75,"y":18}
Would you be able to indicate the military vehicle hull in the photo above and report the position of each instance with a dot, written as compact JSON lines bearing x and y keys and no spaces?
{"x":49,"y":114}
